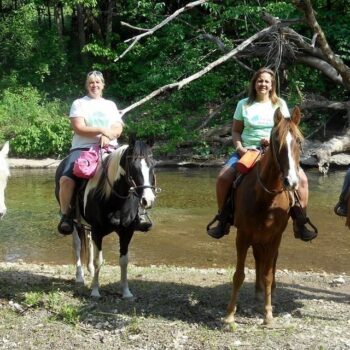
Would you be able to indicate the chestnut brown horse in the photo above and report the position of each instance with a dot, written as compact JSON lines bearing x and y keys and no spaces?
{"x":262,"y":204}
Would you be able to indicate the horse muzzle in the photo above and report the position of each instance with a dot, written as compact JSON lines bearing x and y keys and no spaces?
{"x":147,"y":199}
{"x":290,"y":184}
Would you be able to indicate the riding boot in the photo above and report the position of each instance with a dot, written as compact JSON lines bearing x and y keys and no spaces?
{"x":340,"y":208}
{"x":300,"y":220}
{"x":224,"y":219}
{"x":143,"y":221}
{"x":66,"y":225}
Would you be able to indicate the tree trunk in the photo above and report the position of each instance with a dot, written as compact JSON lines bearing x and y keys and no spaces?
{"x":81,"y":31}
{"x":109,"y":22}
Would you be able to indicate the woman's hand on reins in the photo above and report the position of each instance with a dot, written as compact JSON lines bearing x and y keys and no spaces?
{"x":264,"y":142}
{"x":104,"y":141}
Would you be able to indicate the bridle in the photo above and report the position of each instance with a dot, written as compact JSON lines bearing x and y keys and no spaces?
{"x":133,"y":187}
{"x":274,"y":154}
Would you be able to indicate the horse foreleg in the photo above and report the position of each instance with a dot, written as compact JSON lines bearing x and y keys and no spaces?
{"x":90,"y":253}
{"x":79,"y":272}
{"x":98,"y":260}
{"x":124,"y":240}
{"x":238,"y":277}
{"x":123,"y":262}
{"x":259,"y":283}
{"x":269,"y":269}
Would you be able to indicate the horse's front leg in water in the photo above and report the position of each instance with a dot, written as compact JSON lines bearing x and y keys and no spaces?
{"x":79,"y":272}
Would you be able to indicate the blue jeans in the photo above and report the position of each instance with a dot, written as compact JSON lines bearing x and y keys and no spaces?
{"x":231,"y":163}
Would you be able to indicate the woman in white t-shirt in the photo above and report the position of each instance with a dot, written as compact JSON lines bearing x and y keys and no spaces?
{"x":94,"y":120}
{"x":251,"y":128}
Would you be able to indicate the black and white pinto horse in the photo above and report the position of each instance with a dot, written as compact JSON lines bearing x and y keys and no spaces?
{"x":123,"y":181}
{"x":4,"y":174}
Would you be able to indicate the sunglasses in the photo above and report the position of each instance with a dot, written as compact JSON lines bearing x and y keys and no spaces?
{"x":95,"y":72}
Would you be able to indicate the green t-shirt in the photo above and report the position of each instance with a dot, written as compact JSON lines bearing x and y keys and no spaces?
{"x":257,"y":119}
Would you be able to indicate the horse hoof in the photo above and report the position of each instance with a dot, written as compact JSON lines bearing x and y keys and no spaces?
{"x":268,"y":321}
{"x":229,"y":319}
{"x":128,"y":295}
{"x":95,"y":294}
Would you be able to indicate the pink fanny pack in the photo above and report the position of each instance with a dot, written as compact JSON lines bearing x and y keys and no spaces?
{"x":85,"y":166}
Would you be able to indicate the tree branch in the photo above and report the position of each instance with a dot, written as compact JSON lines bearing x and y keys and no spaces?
{"x":334,"y":60}
{"x":133,"y":27}
{"x":149,"y":32}
{"x":202,"y":72}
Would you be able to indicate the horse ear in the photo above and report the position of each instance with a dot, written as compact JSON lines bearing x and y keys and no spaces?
{"x":5,"y":149}
{"x":277,"y":116}
{"x":132,"y":139}
{"x":296,"y":115}
{"x":150,"y":141}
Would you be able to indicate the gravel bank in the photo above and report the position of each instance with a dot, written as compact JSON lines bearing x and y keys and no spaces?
{"x":174,"y":308}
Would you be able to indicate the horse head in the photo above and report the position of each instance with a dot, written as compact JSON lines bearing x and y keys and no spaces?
{"x":4,"y":174}
{"x":285,"y":147}
{"x":139,"y":170}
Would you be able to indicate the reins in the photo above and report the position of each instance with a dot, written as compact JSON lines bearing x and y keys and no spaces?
{"x":264,"y":187}
{"x":274,"y":192}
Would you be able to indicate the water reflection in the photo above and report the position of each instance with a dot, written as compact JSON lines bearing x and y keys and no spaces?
{"x":184,"y":207}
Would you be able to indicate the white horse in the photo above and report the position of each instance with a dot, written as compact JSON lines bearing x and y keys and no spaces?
{"x":4,"y":174}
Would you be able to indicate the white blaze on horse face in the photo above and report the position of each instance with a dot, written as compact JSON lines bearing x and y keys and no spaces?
{"x":292,"y":177}
{"x":148,"y":196}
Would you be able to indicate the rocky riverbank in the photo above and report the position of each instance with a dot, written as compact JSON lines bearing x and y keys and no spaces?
{"x":174,"y":308}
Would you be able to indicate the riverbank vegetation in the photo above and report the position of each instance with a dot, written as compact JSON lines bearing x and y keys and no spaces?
{"x":195,"y":57}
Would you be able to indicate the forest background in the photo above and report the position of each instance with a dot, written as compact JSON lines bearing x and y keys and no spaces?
{"x":155,"y":49}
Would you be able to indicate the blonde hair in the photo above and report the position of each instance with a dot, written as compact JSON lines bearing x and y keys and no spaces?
{"x":252,"y":92}
{"x":95,"y":74}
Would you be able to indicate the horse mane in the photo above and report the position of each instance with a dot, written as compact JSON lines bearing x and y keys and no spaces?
{"x":110,"y":171}
{"x":284,"y":126}
{"x":114,"y":170}
{"x":141,"y":150}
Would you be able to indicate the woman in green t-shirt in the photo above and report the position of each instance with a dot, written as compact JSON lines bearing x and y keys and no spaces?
{"x":251,"y":128}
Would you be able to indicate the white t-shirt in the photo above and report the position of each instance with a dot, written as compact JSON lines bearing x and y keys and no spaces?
{"x":258,"y":120}
{"x":96,"y":112}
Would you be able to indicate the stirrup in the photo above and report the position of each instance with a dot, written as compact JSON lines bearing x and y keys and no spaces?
{"x":308,"y":235}
{"x":144,"y":223}
{"x":340,"y":210}
{"x":220,"y":230}
{"x":216,"y":218}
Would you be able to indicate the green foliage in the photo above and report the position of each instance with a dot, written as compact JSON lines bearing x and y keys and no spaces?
{"x":33,"y":299}
{"x":35,"y":127}
{"x":34,"y":54}
{"x":43,"y":69}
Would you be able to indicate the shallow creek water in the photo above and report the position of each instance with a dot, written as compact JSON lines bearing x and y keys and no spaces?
{"x":183,"y":209}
